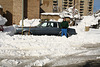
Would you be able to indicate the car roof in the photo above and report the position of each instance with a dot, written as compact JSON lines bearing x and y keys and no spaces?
{"x":52,"y":21}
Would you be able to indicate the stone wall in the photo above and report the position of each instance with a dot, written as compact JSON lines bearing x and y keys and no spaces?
{"x":12,"y":10}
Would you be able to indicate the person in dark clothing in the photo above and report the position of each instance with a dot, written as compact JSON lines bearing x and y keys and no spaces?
{"x":64,"y":27}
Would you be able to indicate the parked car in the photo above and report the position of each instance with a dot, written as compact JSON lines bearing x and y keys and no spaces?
{"x":45,"y":28}
{"x":1,"y":28}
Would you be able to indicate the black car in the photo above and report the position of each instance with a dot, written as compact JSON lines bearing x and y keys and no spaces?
{"x":45,"y":28}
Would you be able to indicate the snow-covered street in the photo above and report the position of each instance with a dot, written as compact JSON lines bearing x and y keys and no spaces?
{"x":27,"y":51}
{"x":34,"y":50}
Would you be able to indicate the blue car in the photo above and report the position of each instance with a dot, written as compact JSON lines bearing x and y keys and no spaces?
{"x":44,"y":28}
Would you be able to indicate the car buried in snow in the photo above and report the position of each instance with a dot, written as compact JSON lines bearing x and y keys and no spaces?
{"x":44,"y":28}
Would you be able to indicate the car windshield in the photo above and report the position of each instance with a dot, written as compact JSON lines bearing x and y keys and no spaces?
{"x":44,"y":24}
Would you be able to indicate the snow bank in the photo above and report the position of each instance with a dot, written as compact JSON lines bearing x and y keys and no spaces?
{"x":70,"y":12}
{"x":97,"y":14}
{"x":1,"y":6}
{"x":49,"y":13}
{"x":2,"y":20}
{"x":49,"y":47}
{"x":35,"y":22}
{"x":89,"y":20}
{"x":52,"y":46}
{"x":32,"y":22}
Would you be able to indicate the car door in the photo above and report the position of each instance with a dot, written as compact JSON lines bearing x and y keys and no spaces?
{"x":52,"y":28}
{"x":41,"y":29}
{"x":47,"y":28}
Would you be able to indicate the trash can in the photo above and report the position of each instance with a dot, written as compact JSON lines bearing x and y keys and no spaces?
{"x":86,"y":28}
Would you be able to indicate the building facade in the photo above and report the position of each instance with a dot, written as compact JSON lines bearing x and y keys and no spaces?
{"x":12,"y":10}
{"x":85,"y":7}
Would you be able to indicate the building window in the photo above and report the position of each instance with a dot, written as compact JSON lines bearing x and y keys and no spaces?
{"x":55,"y":5}
{"x":81,"y":1}
{"x":81,"y":9}
{"x":81,"y":6}
{"x":81,"y":14}
{"x":70,"y":0}
{"x":65,"y":4}
{"x":90,"y":4}
{"x":70,"y":5}
{"x":90,"y":7}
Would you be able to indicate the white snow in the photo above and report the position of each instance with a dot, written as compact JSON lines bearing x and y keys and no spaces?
{"x":1,"y":6}
{"x":30,"y":22}
{"x":90,"y":20}
{"x":50,"y":14}
{"x":54,"y":46}
{"x":70,"y":12}
{"x":47,"y":48}
{"x":2,"y":20}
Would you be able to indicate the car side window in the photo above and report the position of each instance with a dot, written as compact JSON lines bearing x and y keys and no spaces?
{"x":43,"y":24}
{"x":50,"y":24}
{"x":55,"y":25}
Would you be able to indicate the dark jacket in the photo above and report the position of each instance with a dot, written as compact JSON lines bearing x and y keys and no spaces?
{"x":64,"y":25}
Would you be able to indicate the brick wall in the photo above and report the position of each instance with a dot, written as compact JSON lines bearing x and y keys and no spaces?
{"x":47,"y":6}
{"x":33,"y":9}
{"x":56,"y":17}
{"x":17,"y":11}
{"x":13,"y":10}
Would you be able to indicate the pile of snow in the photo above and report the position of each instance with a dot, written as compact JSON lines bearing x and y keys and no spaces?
{"x":50,"y":14}
{"x":70,"y":12}
{"x":35,"y":22}
{"x":97,"y":13}
{"x":27,"y":22}
{"x":1,"y":6}
{"x":2,"y":20}
{"x":10,"y":30}
{"x":60,"y":20}
{"x":89,"y":20}
{"x":49,"y":47}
